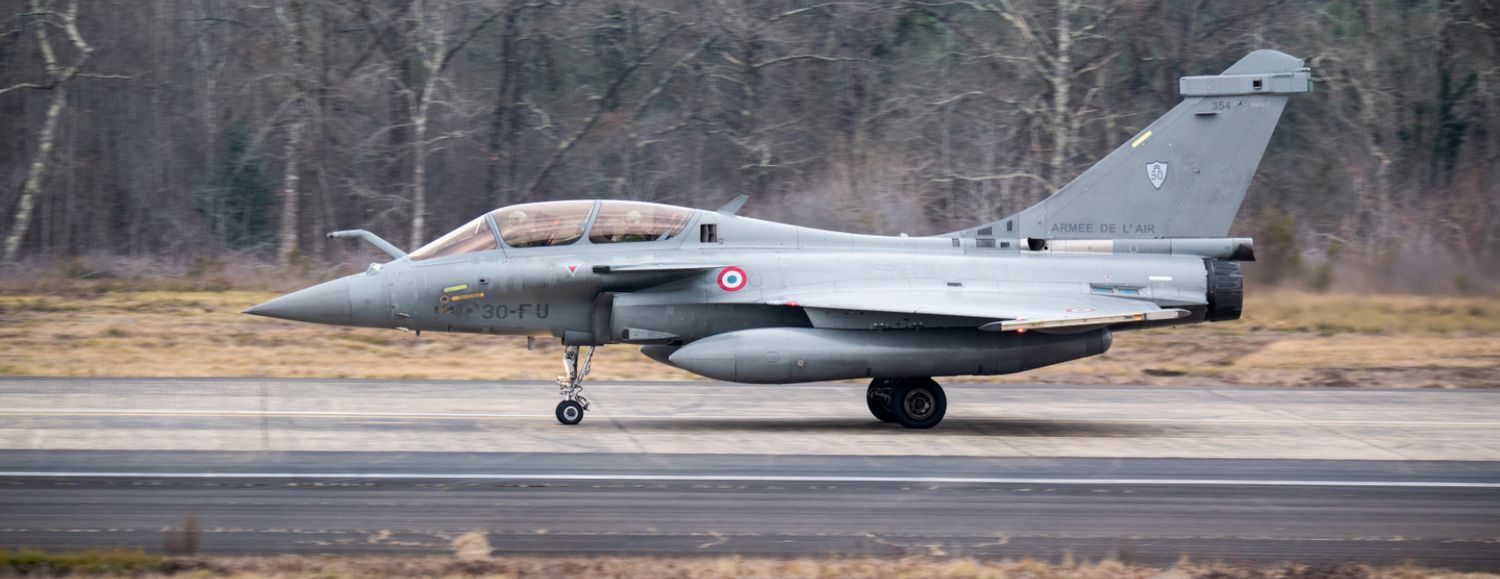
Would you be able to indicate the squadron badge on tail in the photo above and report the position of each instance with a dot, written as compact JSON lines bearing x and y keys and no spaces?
{"x":1156,"y":171}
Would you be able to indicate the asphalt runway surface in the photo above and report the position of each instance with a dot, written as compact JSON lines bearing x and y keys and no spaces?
{"x":1250,"y":475}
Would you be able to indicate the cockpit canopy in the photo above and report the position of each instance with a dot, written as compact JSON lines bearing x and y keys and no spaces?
{"x":630,"y":221}
{"x":473,"y":236}
{"x":561,"y":223}
{"x":543,"y":224}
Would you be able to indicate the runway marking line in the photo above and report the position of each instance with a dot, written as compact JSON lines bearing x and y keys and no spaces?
{"x":752,"y":478}
{"x":482,"y":415}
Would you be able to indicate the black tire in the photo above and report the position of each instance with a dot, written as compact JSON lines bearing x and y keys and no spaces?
{"x":918,"y":403}
{"x":569,"y":412}
{"x":878,"y":398}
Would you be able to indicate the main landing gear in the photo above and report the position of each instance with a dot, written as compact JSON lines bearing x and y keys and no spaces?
{"x":910,"y":402}
{"x":570,"y":410}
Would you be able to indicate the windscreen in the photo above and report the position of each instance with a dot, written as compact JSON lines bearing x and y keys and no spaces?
{"x":543,"y":224}
{"x":627,"y":221}
{"x":473,"y":236}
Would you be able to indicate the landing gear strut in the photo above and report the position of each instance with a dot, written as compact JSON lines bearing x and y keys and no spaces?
{"x":570,"y":410}
{"x":878,"y":398}
{"x":911,"y":402}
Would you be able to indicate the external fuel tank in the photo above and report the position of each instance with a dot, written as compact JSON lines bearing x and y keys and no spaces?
{"x":787,"y":355}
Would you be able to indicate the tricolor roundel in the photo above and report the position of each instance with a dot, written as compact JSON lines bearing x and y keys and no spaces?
{"x":732,"y":279}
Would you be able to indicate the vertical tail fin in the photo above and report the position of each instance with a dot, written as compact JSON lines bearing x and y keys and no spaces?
{"x":1185,"y":174}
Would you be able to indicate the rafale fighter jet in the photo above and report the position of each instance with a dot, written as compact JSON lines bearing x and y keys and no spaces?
{"x":1136,"y":241}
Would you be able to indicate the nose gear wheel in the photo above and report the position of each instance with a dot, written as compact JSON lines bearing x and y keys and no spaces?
{"x":569,"y":412}
{"x":571,"y":409}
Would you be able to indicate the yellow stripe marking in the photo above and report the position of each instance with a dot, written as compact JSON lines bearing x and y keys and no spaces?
{"x":1141,"y":139}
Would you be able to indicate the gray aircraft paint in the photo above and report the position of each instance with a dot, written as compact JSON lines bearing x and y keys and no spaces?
{"x":780,"y":355}
{"x":749,"y":300}
{"x":1210,"y":145}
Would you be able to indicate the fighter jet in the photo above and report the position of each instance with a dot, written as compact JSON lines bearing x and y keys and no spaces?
{"x":1136,"y":241}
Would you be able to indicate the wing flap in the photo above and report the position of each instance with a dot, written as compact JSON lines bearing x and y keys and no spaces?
{"x":1021,"y":325}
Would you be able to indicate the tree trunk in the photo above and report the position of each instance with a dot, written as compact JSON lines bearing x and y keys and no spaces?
{"x":39,"y":164}
{"x":286,"y":246}
{"x":287,"y":239}
{"x":433,"y":59}
{"x":60,"y":77}
{"x":1062,"y":88}
{"x":419,"y":171}
{"x":505,"y":120}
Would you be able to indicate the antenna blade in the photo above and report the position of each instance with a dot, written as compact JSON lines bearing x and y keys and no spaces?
{"x":734,"y":205}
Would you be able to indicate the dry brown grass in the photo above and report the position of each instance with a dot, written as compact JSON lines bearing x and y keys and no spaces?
{"x":472,"y":559}
{"x":860,"y":567}
{"x":1286,"y":338}
{"x":1299,"y":338}
{"x":160,"y":333}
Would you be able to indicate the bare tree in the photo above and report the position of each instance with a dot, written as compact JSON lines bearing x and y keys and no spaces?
{"x":1051,"y":48}
{"x":603,"y":102}
{"x":255,"y":122}
{"x":293,"y":17}
{"x":43,"y":15}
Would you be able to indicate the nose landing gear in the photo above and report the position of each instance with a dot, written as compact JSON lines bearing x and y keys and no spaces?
{"x":570,"y":410}
{"x":911,"y":402}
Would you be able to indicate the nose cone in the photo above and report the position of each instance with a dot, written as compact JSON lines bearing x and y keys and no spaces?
{"x":325,"y":303}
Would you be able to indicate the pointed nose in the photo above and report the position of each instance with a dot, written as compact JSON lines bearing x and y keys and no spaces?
{"x":325,"y":303}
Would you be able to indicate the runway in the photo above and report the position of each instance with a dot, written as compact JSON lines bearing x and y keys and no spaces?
{"x":1250,"y":475}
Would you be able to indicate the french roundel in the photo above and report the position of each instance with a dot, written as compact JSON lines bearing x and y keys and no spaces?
{"x":732,"y":279}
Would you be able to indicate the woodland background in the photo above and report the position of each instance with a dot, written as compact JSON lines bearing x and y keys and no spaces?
{"x":179,"y":131}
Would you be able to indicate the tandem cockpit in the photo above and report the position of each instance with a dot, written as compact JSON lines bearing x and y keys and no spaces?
{"x":556,"y":223}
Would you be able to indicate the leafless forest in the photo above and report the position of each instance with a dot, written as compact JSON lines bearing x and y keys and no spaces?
{"x":179,"y":129}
